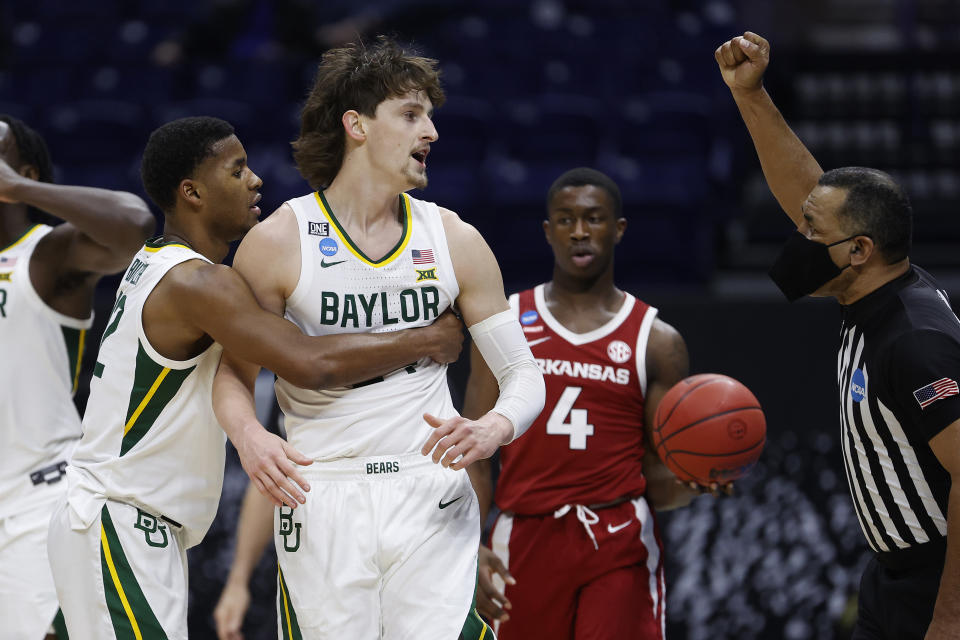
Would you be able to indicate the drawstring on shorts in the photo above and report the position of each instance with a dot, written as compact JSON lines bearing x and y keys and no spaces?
{"x":585,"y":515}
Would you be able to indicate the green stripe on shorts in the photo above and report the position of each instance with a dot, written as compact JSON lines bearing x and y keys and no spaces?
{"x":290,"y":630}
{"x":60,"y":626}
{"x":474,"y":628}
{"x":130,"y":613}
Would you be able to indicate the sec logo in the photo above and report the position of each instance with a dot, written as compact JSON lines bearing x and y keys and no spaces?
{"x":619,"y":351}
{"x":529,"y":317}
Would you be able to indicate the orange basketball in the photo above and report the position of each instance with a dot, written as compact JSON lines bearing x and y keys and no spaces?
{"x":709,"y":428}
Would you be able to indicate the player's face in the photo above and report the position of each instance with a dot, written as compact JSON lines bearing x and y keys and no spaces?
{"x":821,"y":223}
{"x":399,"y":136}
{"x":230,"y":189}
{"x":582,"y":229}
{"x":9,"y":152}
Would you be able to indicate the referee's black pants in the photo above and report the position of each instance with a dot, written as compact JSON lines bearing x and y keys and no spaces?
{"x":896,"y":604}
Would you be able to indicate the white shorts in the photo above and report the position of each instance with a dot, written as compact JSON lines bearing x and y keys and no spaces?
{"x":384,"y":548}
{"x":124,"y":576}
{"x":28,"y":599}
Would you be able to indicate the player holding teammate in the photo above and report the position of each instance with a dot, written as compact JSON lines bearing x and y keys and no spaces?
{"x":144,"y":482}
{"x":389,"y":542}
{"x":47,"y":279}
{"x":579,"y":487}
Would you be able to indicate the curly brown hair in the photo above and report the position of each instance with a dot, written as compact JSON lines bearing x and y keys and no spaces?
{"x":357,"y":77}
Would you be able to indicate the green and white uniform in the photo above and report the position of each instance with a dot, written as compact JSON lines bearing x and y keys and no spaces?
{"x":145,"y":480}
{"x":40,"y":353}
{"x":384,"y":531}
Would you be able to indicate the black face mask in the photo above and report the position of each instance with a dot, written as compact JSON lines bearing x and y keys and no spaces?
{"x":804,"y":266}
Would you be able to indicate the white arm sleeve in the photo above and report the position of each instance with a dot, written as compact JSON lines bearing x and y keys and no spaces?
{"x":504,"y":348}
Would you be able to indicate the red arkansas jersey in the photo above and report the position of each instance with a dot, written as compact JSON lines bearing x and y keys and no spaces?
{"x":587,"y":444}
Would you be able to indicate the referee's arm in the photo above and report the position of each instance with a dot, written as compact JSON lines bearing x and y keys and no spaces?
{"x":946,"y":613}
{"x":917,"y":359}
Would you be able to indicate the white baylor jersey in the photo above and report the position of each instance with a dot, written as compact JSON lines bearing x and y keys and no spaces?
{"x":343,"y":291}
{"x":150,"y":437}
{"x":40,"y":353}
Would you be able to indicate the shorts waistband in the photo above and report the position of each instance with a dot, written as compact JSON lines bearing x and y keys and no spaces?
{"x":371,"y":468}
{"x":922,"y":555}
{"x":594,"y":507}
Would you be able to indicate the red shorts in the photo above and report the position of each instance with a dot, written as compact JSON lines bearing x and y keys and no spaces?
{"x":574,"y":585}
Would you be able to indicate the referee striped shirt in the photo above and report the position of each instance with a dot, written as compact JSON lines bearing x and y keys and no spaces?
{"x":897,"y":374}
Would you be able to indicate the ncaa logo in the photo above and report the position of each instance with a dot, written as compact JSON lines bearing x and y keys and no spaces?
{"x":529,"y":317}
{"x":619,"y":351}
{"x":329,"y":247}
{"x":858,"y":385}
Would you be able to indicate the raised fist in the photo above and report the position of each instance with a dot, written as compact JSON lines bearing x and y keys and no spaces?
{"x":743,"y":60}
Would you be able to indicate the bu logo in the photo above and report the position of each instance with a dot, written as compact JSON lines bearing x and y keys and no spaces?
{"x":288,"y":528}
{"x":150,"y":525}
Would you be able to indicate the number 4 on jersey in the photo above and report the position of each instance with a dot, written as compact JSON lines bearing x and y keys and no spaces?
{"x":577,"y":428}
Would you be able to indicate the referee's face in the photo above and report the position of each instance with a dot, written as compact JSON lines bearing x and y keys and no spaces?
{"x":821,"y":223}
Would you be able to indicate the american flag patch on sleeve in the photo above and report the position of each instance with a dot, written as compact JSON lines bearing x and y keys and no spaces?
{"x":942,"y":388}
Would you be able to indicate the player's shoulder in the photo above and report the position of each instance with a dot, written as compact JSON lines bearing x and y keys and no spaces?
{"x":525,"y":298}
{"x":197,"y":276}
{"x":663,"y":331}
{"x":451,"y":220}
{"x":666,"y":348}
{"x":461,"y":235}
{"x":276,"y":229}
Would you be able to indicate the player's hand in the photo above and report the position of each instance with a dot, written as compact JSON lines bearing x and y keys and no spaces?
{"x":471,"y":439}
{"x":743,"y":60}
{"x":713,"y":489}
{"x":491,"y":604}
{"x":230,"y":610}
{"x":445,"y":338}
{"x":271,"y":461}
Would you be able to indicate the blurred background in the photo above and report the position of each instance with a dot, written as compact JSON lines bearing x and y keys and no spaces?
{"x":535,"y":88}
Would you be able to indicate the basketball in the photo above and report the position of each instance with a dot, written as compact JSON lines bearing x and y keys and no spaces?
{"x":709,"y":428}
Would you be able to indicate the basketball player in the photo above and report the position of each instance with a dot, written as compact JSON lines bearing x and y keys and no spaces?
{"x":47,"y":279}
{"x":897,"y":369}
{"x":386,"y":548}
{"x":579,"y":488}
{"x":145,"y":479}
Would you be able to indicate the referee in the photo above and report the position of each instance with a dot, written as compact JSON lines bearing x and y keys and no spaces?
{"x":897,"y":370}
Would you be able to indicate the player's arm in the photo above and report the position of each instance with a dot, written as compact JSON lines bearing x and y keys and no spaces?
{"x":499,"y":339}
{"x":480,"y":398}
{"x":946,"y":612}
{"x":790,"y":169}
{"x":254,"y":531}
{"x":103,"y":228}
{"x":266,"y":270}
{"x":667,"y":364}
